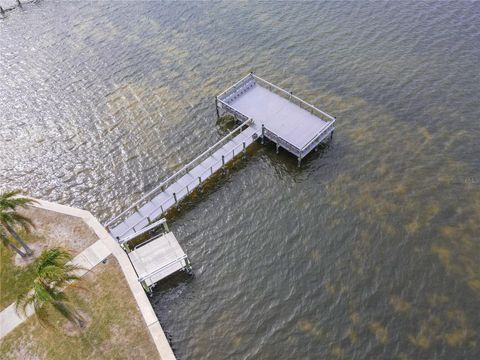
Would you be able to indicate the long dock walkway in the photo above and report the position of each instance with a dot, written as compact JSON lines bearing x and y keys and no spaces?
{"x":158,"y":201}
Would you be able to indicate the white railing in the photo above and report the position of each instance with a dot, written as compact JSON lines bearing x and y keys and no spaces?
{"x":229,"y":108}
{"x":317,"y":138}
{"x":236,"y":87}
{"x":144,"y":230}
{"x":134,"y":207}
{"x":181,"y":260}
{"x":282,"y":142}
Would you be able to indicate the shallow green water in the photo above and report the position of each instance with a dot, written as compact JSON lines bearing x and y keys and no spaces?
{"x":371,"y":250}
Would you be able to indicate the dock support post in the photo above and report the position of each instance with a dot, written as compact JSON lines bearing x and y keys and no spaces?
{"x":278,"y":147}
{"x":216,"y":107}
{"x":331,"y":134}
{"x":263,"y":134}
{"x":175,"y":197}
{"x":223,"y":160}
{"x":244,"y":149}
{"x":299,"y":161}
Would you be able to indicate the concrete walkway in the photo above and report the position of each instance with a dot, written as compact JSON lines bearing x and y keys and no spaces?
{"x":87,"y":259}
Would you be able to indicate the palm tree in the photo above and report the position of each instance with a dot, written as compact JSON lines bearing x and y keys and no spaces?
{"x":53,"y":273}
{"x":11,"y":219}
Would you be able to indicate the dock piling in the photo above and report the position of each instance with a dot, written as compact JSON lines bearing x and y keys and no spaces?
{"x":263,"y":134}
{"x":278,"y":147}
{"x":299,"y":162}
{"x":216,"y":107}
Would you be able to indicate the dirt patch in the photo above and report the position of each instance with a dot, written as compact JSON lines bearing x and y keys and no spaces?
{"x":37,"y":248}
{"x":62,"y":230}
{"x":72,"y":329}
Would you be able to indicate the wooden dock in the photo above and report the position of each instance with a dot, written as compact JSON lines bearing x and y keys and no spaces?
{"x":262,"y":111}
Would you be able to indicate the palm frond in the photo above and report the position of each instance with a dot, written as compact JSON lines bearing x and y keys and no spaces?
{"x":11,"y":200}
{"x":21,"y":221}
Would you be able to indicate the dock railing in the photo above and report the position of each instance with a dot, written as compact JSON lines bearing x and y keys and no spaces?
{"x":172,"y":179}
{"x":282,"y":142}
{"x":317,"y":138}
{"x":237,"y":89}
{"x":182,"y":261}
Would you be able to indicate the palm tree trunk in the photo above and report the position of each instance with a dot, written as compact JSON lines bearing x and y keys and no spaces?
{"x":17,"y":250}
{"x":19,"y":239}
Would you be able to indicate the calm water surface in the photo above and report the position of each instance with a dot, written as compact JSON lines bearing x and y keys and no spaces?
{"x":370,"y":251}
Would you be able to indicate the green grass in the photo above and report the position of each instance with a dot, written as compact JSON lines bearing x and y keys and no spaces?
{"x":116,"y":329}
{"x":13,"y":279}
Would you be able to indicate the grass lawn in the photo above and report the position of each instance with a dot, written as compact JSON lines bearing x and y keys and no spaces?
{"x":51,"y":229}
{"x":116,"y":329}
{"x":13,"y":279}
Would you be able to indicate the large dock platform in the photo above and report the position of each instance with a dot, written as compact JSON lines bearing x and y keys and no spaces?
{"x":262,"y":111}
{"x":276,"y":114}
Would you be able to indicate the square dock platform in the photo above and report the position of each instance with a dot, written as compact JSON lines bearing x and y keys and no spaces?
{"x":157,"y":259}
